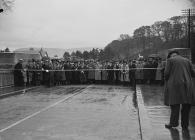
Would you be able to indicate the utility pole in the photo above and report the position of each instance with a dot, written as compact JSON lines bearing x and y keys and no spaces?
{"x":189,"y":28}
{"x":190,"y":14}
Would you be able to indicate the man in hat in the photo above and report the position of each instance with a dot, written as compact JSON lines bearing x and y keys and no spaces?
{"x":18,"y":73}
{"x":178,"y":89}
{"x":47,"y":78}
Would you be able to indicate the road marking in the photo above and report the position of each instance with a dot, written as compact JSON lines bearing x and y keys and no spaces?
{"x":42,"y":110}
{"x":6,"y":87}
{"x":22,"y":90}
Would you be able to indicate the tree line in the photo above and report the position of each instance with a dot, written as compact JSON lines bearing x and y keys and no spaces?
{"x":95,"y":54}
{"x":159,"y":36}
{"x":145,"y":40}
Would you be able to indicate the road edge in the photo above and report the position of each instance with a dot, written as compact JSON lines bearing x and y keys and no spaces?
{"x":145,"y":125}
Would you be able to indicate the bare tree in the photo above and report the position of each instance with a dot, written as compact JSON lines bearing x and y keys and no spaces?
{"x":6,"y":5}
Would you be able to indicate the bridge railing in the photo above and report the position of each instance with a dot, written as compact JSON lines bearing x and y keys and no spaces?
{"x":6,"y":78}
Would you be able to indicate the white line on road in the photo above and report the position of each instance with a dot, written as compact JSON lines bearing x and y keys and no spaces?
{"x":22,"y":90}
{"x":6,"y":87}
{"x":42,"y":110}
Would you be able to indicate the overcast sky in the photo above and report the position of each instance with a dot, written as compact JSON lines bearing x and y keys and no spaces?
{"x":80,"y":23}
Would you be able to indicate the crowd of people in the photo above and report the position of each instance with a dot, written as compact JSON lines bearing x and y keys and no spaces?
{"x":57,"y":72}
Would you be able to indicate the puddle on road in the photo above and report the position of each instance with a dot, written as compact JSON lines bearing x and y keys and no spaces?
{"x":95,"y":100}
{"x":113,"y":94}
{"x":152,"y":95}
{"x":110,"y":89}
{"x":98,"y":100}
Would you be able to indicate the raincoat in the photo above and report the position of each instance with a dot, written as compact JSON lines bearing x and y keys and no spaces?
{"x":179,"y":88}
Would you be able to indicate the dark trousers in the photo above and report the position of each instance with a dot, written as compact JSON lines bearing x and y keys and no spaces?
{"x":185,"y":114}
{"x":133,"y":82}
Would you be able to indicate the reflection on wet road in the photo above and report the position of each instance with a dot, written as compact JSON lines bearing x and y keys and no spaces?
{"x":159,"y":115}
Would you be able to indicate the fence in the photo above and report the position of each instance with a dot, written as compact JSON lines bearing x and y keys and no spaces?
{"x":6,"y":78}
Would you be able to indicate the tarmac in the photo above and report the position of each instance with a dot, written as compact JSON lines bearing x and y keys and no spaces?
{"x":88,"y":112}
{"x":93,"y":112}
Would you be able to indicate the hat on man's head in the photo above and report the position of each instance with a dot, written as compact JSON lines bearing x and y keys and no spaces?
{"x":172,"y":52}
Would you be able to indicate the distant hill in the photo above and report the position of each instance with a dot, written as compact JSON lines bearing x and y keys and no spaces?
{"x":54,"y":51}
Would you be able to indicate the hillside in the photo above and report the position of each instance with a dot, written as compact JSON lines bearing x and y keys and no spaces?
{"x":154,"y":39}
{"x":54,"y":51}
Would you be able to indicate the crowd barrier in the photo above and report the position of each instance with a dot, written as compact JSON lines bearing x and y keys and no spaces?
{"x":36,"y":77}
{"x":101,"y":75}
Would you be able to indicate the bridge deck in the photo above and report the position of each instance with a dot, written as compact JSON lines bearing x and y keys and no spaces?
{"x":81,"y":112}
{"x":78,"y":112}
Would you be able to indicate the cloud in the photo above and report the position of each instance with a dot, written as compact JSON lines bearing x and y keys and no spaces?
{"x":75,"y":23}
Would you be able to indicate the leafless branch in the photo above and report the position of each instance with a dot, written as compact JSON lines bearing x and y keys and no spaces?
{"x":7,"y":5}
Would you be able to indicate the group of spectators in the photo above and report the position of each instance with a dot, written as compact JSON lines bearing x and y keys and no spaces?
{"x":57,"y":72}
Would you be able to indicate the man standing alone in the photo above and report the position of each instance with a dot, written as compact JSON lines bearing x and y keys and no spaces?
{"x":179,"y":89}
{"x":18,"y":74}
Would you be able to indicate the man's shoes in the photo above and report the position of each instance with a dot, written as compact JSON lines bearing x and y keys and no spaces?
{"x":169,"y":126}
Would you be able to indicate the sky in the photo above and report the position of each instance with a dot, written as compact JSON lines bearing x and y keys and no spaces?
{"x":80,"y":23}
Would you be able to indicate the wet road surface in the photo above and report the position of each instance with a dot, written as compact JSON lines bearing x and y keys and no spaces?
{"x":159,"y":115}
{"x":16,"y":107}
{"x":96,"y":112}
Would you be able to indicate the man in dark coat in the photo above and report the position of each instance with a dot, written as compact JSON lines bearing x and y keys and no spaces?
{"x":117,"y":72}
{"x":179,"y":89}
{"x":18,"y":74}
{"x":132,"y":70}
{"x":67,"y":72}
{"x":110,"y":73}
{"x":46,"y":73}
{"x":149,"y":72}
